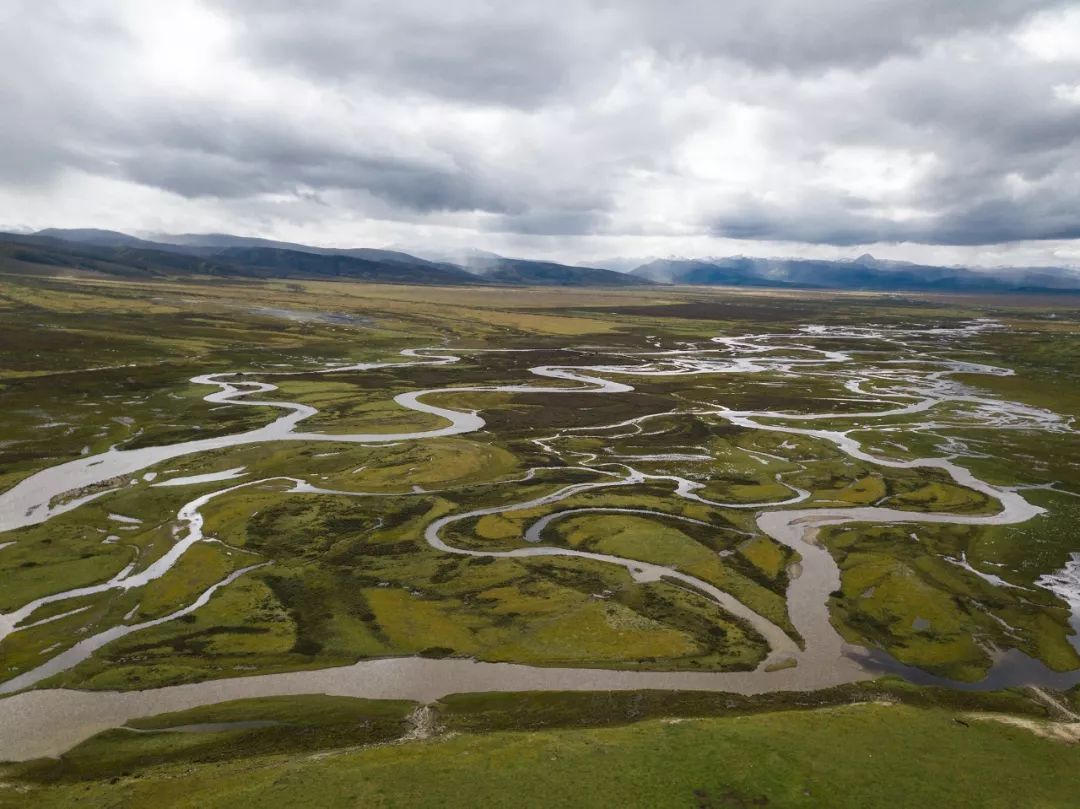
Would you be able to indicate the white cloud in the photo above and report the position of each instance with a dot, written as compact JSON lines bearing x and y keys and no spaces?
{"x":1053,"y":36}
{"x":565,"y":128}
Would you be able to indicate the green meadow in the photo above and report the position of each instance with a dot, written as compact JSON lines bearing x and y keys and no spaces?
{"x":346,"y":571}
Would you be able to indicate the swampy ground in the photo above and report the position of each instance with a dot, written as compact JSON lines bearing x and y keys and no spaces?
{"x":342,"y":570}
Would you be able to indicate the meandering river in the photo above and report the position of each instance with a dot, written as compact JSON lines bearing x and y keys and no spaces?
{"x":46,"y":722}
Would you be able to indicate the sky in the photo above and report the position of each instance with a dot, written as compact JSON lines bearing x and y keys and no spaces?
{"x":924,"y":130}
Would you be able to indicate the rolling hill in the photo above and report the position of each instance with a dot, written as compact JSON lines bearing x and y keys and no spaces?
{"x":219,"y":254}
{"x":516,"y":271}
{"x":49,"y":254}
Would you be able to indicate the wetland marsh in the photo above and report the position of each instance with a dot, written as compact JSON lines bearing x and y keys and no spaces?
{"x":430,"y":493}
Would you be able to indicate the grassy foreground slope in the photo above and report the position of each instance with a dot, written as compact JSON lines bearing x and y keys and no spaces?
{"x":859,"y":755}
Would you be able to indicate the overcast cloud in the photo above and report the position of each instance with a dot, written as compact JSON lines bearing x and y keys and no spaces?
{"x":936,"y":131}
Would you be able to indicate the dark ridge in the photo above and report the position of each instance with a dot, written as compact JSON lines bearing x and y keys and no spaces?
{"x":545,"y":273}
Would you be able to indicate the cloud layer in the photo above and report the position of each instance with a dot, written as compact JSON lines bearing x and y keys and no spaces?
{"x":935,"y":129}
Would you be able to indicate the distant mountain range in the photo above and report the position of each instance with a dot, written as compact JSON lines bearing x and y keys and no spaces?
{"x":862,"y":273}
{"x":217,"y":254}
{"x":223,"y":255}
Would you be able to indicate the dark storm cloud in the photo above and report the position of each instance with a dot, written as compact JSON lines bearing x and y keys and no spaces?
{"x":558,"y":222}
{"x":798,"y":35}
{"x":522,"y":53}
{"x":224,"y":173}
{"x":830,"y":221}
{"x":746,"y":119}
{"x":45,"y":110}
{"x":496,"y":60}
{"x":1005,"y":155}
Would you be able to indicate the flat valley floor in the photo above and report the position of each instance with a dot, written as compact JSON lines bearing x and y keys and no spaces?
{"x":314,"y":543}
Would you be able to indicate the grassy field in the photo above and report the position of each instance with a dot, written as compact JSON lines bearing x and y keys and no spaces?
{"x":87,"y":364}
{"x":102,"y":363}
{"x":884,"y":744}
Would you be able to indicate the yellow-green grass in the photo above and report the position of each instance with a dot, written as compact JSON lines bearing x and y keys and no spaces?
{"x":543,"y":612}
{"x":865,"y":491}
{"x":295,"y":724}
{"x":652,"y":540}
{"x":766,"y":555}
{"x":902,"y":593}
{"x":592,"y":632}
{"x":863,"y":755}
{"x":308,"y":608}
{"x":945,"y":497}
{"x":202,"y":566}
{"x":766,"y":490}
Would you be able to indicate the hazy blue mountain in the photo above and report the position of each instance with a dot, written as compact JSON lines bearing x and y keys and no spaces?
{"x":621,"y":263}
{"x":725,"y":272}
{"x":862,"y":273}
{"x":112,"y":252}
{"x":468,"y":258}
{"x":503,"y":270}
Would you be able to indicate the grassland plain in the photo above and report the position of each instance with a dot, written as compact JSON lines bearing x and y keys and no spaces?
{"x":88,"y":364}
{"x":864,"y":745}
{"x":739,"y":466}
